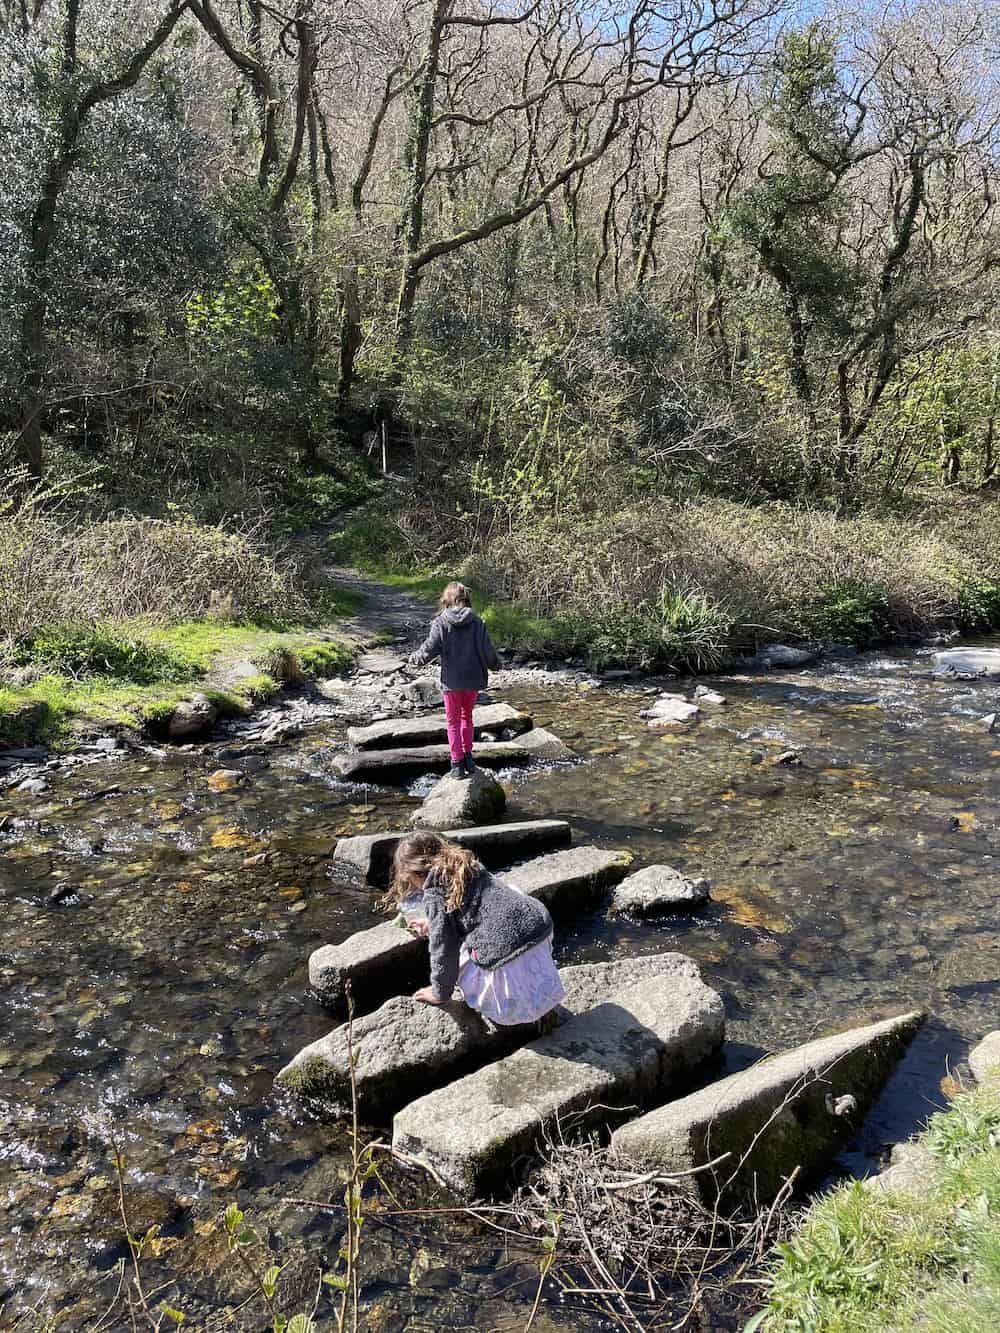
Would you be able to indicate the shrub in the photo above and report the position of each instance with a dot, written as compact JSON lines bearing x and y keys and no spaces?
{"x":848,"y":611}
{"x":320,"y":660}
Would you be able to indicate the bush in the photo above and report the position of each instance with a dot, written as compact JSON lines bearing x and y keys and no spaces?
{"x":848,"y":611}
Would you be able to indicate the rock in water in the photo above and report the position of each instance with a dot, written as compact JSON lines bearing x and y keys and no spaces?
{"x":984,"y":1059}
{"x":771,"y":1118}
{"x":671,"y":710}
{"x":778,"y":655}
{"x":659,"y":889}
{"x":712,"y":698}
{"x":195,"y":717}
{"x":633,"y":1048}
{"x":432,"y":728}
{"x":226,"y":779}
{"x":987,"y":723}
{"x":968,"y":662}
{"x":460,"y":802}
{"x":494,"y":844}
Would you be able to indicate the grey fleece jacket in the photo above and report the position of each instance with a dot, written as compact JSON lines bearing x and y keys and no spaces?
{"x":495,"y":922}
{"x":463,"y":644}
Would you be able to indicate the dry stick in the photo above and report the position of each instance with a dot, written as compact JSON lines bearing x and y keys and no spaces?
{"x":134,"y":1249}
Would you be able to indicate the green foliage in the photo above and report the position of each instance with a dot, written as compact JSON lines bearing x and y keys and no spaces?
{"x":311,"y":500}
{"x":682,"y":631}
{"x":848,"y":610}
{"x":322,"y":660}
{"x":979,"y":604}
{"x":871,"y":1262}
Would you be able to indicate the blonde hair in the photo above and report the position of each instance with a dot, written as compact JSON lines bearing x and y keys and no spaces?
{"x":454,"y":868}
{"x":455,"y":594}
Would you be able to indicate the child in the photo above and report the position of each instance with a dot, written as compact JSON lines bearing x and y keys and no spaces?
{"x":490,"y":938}
{"x":467,"y":656}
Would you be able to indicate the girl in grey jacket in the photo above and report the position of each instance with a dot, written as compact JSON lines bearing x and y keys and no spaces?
{"x":462,"y":642}
{"x":486,"y":936}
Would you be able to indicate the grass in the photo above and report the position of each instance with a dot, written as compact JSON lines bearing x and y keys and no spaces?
{"x":133,"y":675}
{"x":866,"y":1262}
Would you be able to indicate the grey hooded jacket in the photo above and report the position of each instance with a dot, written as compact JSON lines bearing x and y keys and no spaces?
{"x":495,"y":922}
{"x":464,"y":646}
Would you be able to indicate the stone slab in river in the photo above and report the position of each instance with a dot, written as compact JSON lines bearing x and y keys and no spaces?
{"x":968,"y":662}
{"x":386,"y":960}
{"x":632,"y":1048}
{"x":396,"y":765}
{"x":405,"y":1049}
{"x":380,"y":664}
{"x":570,"y":880}
{"x":777,"y":1114}
{"x":432,"y":728}
{"x":494,"y":844}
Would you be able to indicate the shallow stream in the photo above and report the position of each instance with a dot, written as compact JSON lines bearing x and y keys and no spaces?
{"x":153,"y":962}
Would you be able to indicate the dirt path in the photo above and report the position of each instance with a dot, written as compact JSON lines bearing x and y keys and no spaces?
{"x":385,"y":610}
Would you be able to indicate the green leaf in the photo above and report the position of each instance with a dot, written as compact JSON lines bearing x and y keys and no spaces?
{"x":177,"y":1316}
{"x":233,"y":1218}
{"x":300,"y":1323}
{"x":757,"y":1322}
{"x":548,"y":1243}
{"x":270,"y":1280}
{"x":248,"y":1237}
{"x":335,"y":1280}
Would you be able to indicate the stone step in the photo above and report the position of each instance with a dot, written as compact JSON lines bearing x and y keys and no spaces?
{"x":495,"y":844}
{"x":433,"y":728}
{"x":792,"y":1110}
{"x":400,"y":765}
{"x":574,"y":879}
{"x":386,"y":960}
{"x":405,"y":1049}
{"x":633,"y":1047}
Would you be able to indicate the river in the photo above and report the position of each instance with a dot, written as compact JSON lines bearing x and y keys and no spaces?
{"x":153,"y":963}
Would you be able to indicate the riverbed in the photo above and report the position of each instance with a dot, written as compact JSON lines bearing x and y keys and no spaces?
{"x":153,"y":961}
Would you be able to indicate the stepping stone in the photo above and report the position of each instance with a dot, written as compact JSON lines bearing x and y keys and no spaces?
{"x":398,"y":765}
{"x":636,"y":1046}
{"x":405,"y":1049}
{"x":433,"y":728}
{"x":794,"y":1109}
{"x":575,"y":878}
{"x":968,"y":662}
{"x":495,"y":844}
{"x":460,"y":802}
{"x":387,"y":959}
{"x":380,"y":664}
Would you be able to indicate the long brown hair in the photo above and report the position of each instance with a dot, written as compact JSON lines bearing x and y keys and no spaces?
{"x":420,"y":853}
{"x":455,"y":594}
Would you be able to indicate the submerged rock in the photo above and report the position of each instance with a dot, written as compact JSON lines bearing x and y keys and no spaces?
{"x":634,"y":1047}
{"x":772,"y":1118}
{"x":659,"y":889}
{"x":226,"y":779}
{"x":781,"y":656}
{"x":709,"y":697}
{"x":670,"y":710}
{"x":456,"y":802}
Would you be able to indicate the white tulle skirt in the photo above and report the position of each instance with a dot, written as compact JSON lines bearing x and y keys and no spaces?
{"x":521,"y":991}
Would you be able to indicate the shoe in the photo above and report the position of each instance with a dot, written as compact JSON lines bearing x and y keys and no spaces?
{"x":457,"y":770}
{"x":468,"y":766}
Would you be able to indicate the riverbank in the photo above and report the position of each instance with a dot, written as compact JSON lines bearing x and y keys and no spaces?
{"x":917,"y":1248}
{"x":691,"y":586}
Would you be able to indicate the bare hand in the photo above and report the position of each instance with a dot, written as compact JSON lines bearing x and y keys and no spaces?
{"x":419,"y":928}
{"x":426,"y":996}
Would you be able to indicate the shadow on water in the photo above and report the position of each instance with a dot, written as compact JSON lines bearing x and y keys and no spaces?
{"x":152,"y":963}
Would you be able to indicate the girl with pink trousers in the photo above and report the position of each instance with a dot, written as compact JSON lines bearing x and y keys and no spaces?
{"x":467,"y":655}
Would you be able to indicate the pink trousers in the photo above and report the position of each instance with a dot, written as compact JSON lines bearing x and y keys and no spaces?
{"x":458,"y":706}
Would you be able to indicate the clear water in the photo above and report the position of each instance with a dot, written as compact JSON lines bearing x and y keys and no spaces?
{"x":157,"y":1001}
